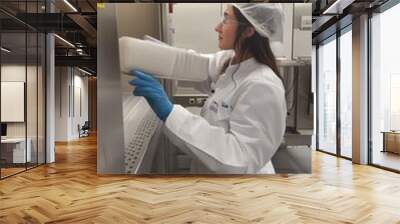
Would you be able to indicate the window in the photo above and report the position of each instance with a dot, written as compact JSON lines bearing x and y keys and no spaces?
{"x":394,"y":114}
{"x":346,"y":94}
{"x":313,"y":88}
{"x":385,"y":85}
{"x":327,"y":97}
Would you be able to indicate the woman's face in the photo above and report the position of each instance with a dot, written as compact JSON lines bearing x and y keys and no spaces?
{"x":226,"y":30}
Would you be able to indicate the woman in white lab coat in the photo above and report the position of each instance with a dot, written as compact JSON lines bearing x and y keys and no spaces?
{"x":242,"y":122}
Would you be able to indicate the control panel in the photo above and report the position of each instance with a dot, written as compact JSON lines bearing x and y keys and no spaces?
{"x":190,"y":100}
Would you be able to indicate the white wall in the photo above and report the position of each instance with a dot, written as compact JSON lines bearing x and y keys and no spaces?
{"x":192,"y":26}
{"x":33,"y":126}
{"x":12,"y":73}
{"x":137,"y":20}
{"x":70,"y":83}
{"x":79,"y":117}
{"x":61,"y":103}
{"x":203,"y":38}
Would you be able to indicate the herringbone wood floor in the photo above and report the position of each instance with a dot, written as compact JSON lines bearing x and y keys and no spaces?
{"x":69,"y":191}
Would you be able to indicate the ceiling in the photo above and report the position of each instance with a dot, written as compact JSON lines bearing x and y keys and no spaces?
{"x":77,"y":25}
{"x":332,"y":15}
{"x":39,"y":6}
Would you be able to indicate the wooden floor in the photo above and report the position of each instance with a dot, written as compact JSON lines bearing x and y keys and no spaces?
{"x":387,"y":159}
{"x":10,"y":171}
{"x":70,"y":191}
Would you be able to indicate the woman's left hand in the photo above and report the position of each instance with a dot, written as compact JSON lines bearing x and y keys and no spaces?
{"x":153,"y":92}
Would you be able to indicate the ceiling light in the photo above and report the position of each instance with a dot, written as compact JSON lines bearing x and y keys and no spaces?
{"x":86,"y":72}
{"x":71,"y":6}
{"x":65,"y":41}
{"x":331,"y":7}
{"x":5,"y":50}
{"x":80,"y":51}
{"x":337,"y":7}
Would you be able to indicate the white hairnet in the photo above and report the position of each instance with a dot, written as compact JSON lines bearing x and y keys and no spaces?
{"x":267,"y":18}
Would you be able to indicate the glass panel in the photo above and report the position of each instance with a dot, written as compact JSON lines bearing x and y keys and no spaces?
{"x":385,"y":89}
{"x":31,"y":100}
{"x":41,"y":98}
{"x":346,"y":95}
{"x":12,"y":8}
{"x":23,"y":82}
{"x":313,"y":88}
{"x":13,"y":91}
{"x":327,"y":97}
{"x":32,"y":88}
{"x":13,"y":87}
{"x":394,"y":102}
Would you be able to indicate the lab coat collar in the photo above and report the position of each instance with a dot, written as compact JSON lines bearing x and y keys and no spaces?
{"x":243,"y":68}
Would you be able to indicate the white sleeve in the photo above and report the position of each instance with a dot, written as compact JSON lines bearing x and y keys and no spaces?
{"x":166,"y":61}
{"x":257,"y":126}
{"x":216,"y":61}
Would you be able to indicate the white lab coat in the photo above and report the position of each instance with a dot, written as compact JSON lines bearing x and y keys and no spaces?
{"x":241,"y":124}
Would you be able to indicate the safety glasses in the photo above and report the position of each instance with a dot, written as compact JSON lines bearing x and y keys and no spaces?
{"x":226,"y":20}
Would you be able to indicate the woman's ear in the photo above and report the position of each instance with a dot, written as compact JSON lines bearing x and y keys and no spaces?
{"x":249,"y":31}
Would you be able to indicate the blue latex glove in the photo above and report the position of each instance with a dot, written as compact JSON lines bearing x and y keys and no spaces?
{"x":151,"y":89}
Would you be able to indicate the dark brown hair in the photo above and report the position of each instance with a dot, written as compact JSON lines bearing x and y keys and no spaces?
{"x":257,"y":45}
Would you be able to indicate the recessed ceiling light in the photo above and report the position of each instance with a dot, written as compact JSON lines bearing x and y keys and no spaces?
{"x":337,"y":7}
{"x":64,"y":40}
{"x":84,"y":71}
{"x":70,"y":5}
{"x":5,"y":50}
